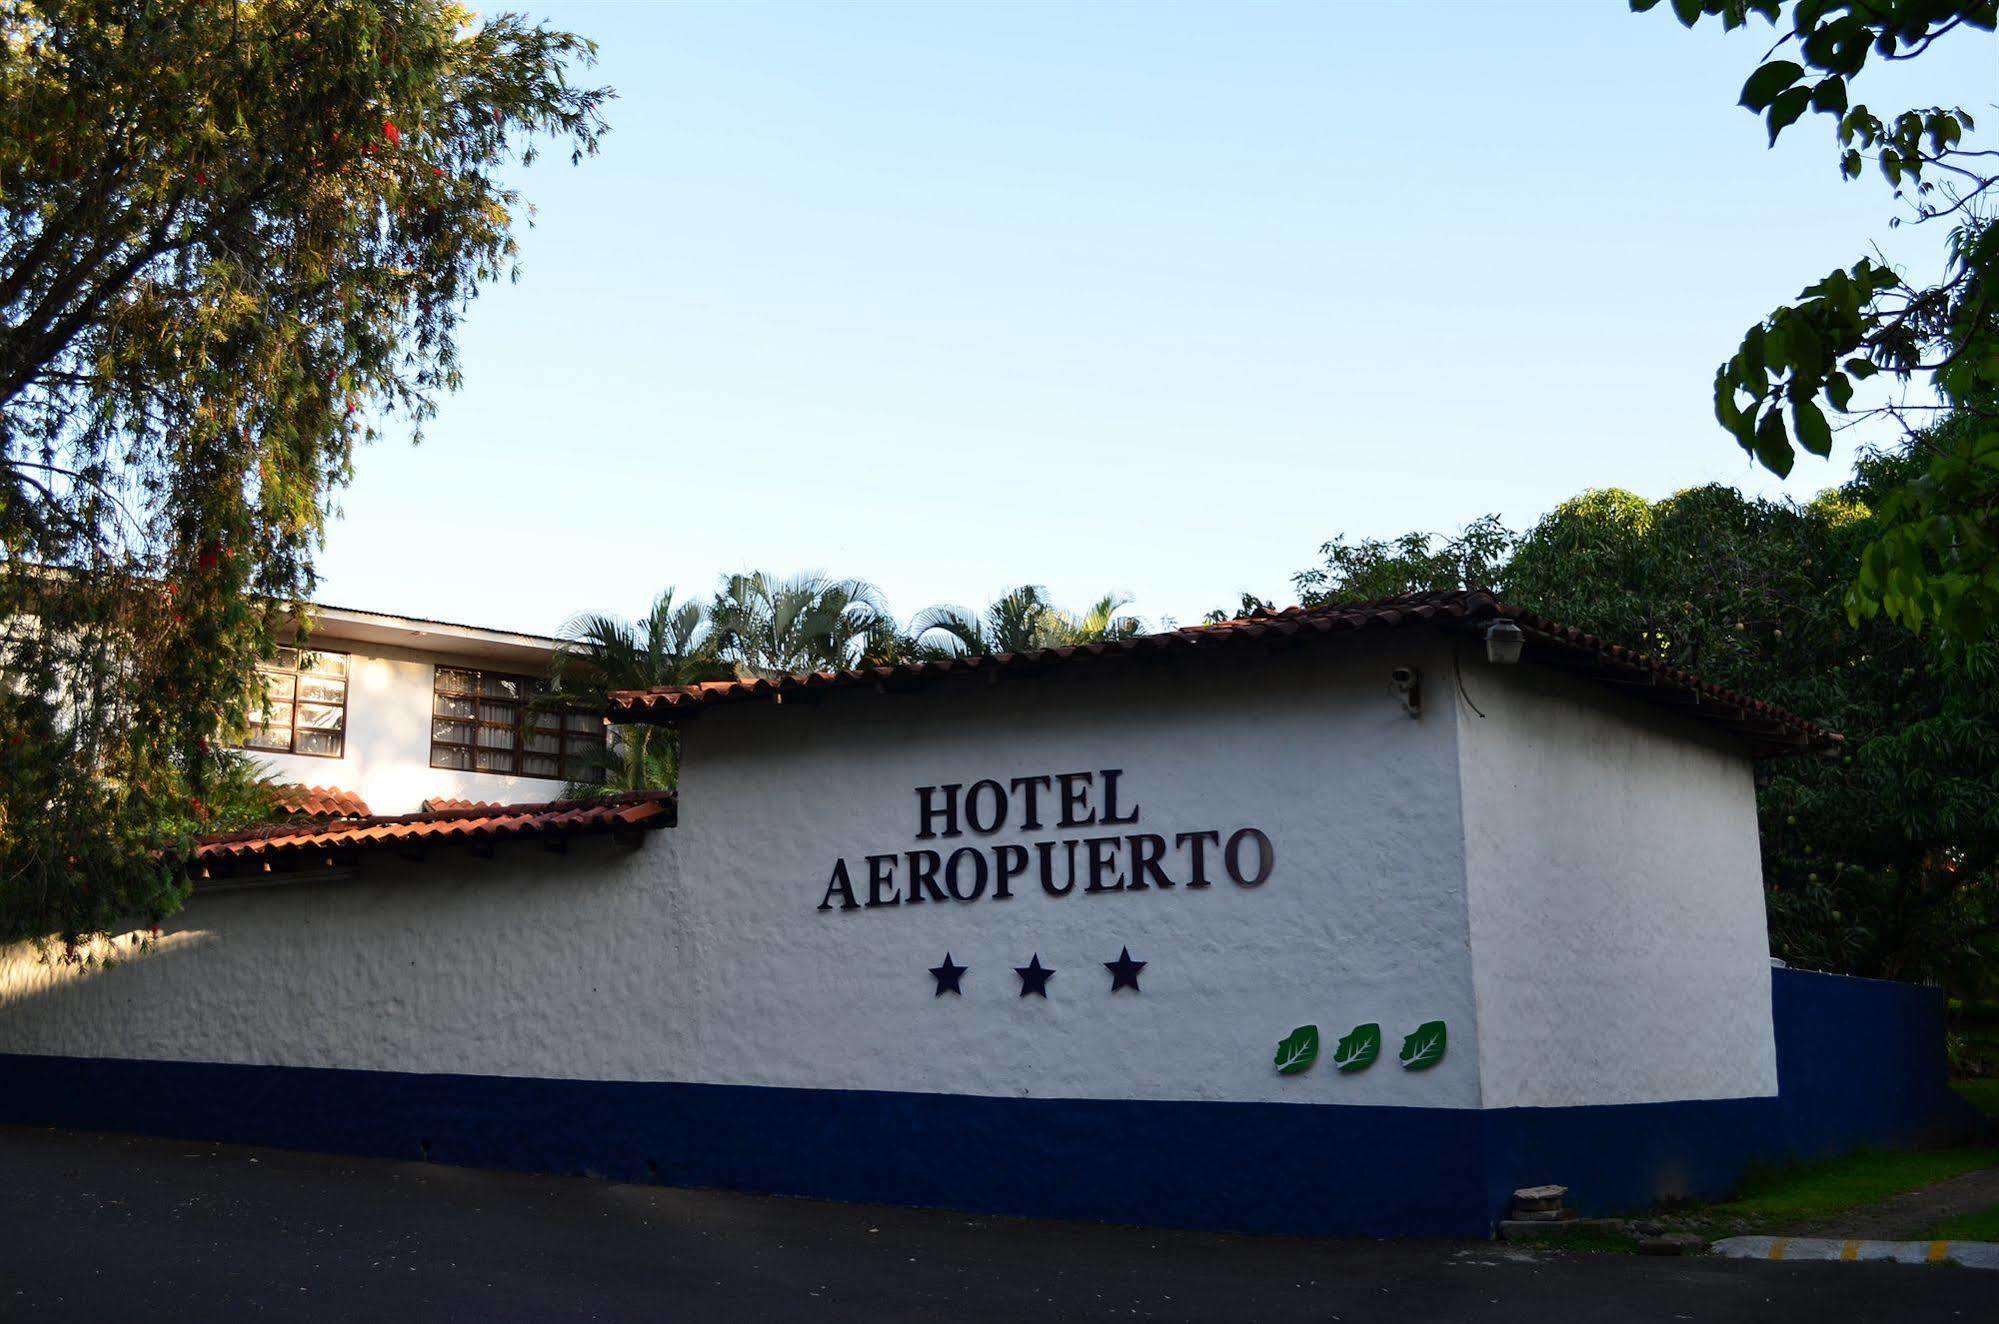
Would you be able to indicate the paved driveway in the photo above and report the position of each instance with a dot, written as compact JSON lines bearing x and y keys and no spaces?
{"x":114,"y":1227}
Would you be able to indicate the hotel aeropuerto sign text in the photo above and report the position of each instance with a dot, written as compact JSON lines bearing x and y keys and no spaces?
{"x":1092,"y":843}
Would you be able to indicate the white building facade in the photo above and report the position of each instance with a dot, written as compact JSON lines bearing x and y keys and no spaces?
{"x":400,"y":712}
{"x":1345,"y":929}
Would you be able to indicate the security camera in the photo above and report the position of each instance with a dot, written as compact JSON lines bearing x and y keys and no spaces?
{"x":1407,"y":685}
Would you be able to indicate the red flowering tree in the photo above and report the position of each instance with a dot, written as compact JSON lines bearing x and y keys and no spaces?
{"x":235,"y":241}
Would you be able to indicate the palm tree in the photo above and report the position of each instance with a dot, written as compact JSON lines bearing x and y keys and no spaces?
{"x":1099,"y":625}
{"x":1020,"y":620}
{"x":669,"y":645}
{"x":766,"y":626}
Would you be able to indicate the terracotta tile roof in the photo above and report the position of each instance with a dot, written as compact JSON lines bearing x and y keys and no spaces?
{"x":298,"y":801}
{"x":438,"y":802}
{"x":1768,"y":728}
{"x":292,"y":845}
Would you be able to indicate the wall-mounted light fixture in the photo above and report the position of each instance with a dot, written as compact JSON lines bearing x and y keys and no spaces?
{"x":1407,"y":683}
{"x":1503,"y":641}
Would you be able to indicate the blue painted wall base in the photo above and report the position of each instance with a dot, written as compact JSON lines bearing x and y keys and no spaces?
{"x":1253,"y":1167}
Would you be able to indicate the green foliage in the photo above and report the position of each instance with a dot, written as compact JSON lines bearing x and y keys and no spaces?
{"x":1980,"y":1225}
{"x":1980,"y":1094}
{"x":670,"y":645}
{"x":769,"y":626}
{"x":1884,"y":861}
{"x":1021,"y":620}
{"x":1776,"y":1198}
{"x":1935,"y":560}
{"x":1877,"y":862}
{"x":1414,"y":563}
{"x":235,"y":240}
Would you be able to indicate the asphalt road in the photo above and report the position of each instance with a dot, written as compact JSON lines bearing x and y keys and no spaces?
{"x":116,"y":1227}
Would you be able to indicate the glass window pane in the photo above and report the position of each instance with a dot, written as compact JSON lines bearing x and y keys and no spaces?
{"x":504,"y":713}
{"x":582,"y":745}
{"x":286,"y":659}
{"x":326,"y":664}
{"x":539,"y":765}
{"x":502,"y":687}
{"x":451,"y":733}
{"x":442,"y":756}
{"x":277,"y":687}
{"x":317,"y":690}
{"x":270,"y":737}
{"x":457,"y":682}
{"x":319,"y":717}
{"x":319,"y":742}
{"x":451,"y":705}
{"x":583,"y":722}
{"x":494,"y":760}
{"x":498,"y":737}
{"x":544,"y":742}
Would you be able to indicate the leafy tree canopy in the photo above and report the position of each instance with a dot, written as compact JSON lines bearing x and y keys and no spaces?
{"x":1020,"y":620}
{"x":601,"y":653}
{"x":1882,"y":861}
{"x":235,"y":241}
{"x":1413,"y":563}
{"x":1934,"y":557}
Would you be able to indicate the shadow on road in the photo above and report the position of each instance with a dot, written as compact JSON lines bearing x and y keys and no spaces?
{"x":102,"y":1226}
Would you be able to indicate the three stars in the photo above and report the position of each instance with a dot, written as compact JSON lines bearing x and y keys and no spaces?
{"x":1034,"y":976}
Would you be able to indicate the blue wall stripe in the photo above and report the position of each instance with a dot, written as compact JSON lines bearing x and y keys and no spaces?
{"x":1860,"y":1062}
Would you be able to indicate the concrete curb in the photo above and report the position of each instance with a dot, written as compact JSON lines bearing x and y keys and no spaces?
{"x":1969,"y":1254}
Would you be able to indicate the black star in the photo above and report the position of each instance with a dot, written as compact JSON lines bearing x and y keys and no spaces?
{"x":1124,"y":971}
{"x":947,"y":976}
{"x":1033,"y":979}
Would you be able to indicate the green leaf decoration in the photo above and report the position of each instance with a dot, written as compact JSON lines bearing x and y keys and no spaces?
{"x":1424,"y":1048}
{"x":1358,"y":1050}
{"x":1298,"y":1050}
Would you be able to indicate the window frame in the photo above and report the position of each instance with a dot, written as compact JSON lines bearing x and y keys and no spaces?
{"x":297,"y":671}
{"x":527,"y":722}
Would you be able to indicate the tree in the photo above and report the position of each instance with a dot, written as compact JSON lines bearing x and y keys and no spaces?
{"x":670,"y":645}
{"x":1103,"y":621}
{"x":235,"y":240}
{"x":1934,"y":557}
{"x":1415,"y":562}
{"x":766,"y":626}
{"x":1883,"y":861}
{"x":1018,"y":621}
{"x":1879,"y":861}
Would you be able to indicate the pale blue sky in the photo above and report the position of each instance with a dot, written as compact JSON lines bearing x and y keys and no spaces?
{"x":1153,"y":298}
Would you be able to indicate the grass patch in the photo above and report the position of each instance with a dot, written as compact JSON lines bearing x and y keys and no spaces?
{"x":1981,"y":1226}
{"x":1981,"y":1094}
{"x":1581,"y":1238}
{"x":1776,"y":1200}
{"x":1815,"y":1190}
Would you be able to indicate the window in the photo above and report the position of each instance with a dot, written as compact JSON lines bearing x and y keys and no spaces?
{"x":484,"y":721}
{"x":305,"y":704}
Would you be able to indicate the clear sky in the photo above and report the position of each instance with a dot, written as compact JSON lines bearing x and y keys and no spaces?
{"x":1147,"y":298}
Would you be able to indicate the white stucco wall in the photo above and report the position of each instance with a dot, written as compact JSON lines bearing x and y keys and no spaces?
{"x":1616,"y":899}
{"x":1569,"y":882}
{"x":387,"y":757}
{"x":703,"y":956}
